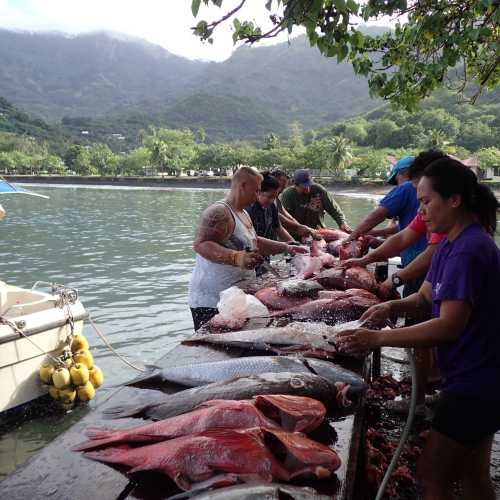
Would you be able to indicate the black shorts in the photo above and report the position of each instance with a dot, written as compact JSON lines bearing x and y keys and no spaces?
{"x":466,"y":420}
{"x":202,"y":314}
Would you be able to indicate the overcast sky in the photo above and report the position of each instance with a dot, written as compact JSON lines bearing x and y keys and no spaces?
{"x":164,"y":22}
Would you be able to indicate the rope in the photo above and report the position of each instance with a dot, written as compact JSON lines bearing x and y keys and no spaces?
{"x":5,"y":321}
{"x":103,"y":338}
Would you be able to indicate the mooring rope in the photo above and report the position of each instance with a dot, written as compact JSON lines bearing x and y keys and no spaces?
{"x":112,"y":349}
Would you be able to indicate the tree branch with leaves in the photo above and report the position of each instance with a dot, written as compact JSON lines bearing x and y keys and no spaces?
{"x":435,"y":43}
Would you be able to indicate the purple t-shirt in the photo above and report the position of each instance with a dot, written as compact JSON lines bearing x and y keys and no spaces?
{"x":468,"y":269}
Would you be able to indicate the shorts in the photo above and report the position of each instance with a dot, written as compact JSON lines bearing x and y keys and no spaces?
{"x":202,"y":314}
{"x":466,"y":420}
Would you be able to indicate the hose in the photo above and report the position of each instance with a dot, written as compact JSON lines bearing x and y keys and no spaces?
{"x":406,"y":430}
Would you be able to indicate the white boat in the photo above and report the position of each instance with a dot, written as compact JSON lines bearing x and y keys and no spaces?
{"x":33,"y":325}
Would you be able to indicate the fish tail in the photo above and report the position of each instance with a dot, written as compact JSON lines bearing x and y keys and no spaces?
{"x":112,"y":455}
{"x":100,"y":438}
{"x":150,"y":377}
{"x":123,"y":411}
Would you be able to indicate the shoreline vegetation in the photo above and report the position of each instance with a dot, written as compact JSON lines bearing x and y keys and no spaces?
{"x":364,"y":185}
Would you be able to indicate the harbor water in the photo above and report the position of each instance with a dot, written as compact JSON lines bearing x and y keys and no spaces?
{"x":129,"y":253}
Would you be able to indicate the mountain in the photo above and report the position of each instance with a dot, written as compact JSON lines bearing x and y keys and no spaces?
{"x":121,"y":84}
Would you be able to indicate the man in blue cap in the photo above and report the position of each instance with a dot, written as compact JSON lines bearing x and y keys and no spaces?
{"x":307,"y":202}
{"x":401,"y":203}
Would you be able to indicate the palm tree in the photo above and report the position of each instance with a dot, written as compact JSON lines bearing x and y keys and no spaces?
{"x":340,"y":154}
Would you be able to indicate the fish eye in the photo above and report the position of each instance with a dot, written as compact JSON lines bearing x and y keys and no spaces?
{"x":296,"y":382}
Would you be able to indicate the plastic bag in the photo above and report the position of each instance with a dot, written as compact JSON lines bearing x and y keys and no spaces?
{"x":234,"y":303}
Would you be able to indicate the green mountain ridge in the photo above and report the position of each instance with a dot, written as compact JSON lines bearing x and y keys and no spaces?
{"x":109,"y":78}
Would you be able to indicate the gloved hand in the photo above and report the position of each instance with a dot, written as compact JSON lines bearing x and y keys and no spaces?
{"x":247,"y":260}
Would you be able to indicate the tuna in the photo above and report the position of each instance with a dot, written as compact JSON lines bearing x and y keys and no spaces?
{"x":292,"y":413}
{"x":193,"y":375}
{"x":353,"y":249}
{"x":313,"y":340}
{"x":273,"y":300}
{"x":266,"y":454}
{"x":331,"y":234}
{"x":342,"y":279}
{"x":306,"y":265}
{"x":160,"y":405}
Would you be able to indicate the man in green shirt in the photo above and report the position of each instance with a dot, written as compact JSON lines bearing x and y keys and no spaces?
{"x":308,"y":202}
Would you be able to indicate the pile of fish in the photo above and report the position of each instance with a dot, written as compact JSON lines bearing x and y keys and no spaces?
{"x":245,"y":419}
{"x":223,"y":442}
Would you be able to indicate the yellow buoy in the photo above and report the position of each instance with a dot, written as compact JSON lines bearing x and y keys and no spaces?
{"x":67,"y":395}
{"x":61,"y":378}
{"x":46,"y":372}
{"x":68,"y":363}
{"x":84,"y":356}
{"x":96,"y":376}
{"x":79,"y":374}
{"x":54,"y":392}
{"x":85,"y":392}
{"x":79,"y":343}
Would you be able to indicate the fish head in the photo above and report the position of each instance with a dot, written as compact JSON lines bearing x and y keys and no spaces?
{"x":302,"y":457}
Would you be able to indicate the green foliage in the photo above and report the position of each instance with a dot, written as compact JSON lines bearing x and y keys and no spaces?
{"x":171,"y":150}
{"x":330,"y":154}
{"x":488,"y":157}
{"x":402,"y":66}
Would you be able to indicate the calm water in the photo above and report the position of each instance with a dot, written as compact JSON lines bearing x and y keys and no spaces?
{"x":129,"y":253}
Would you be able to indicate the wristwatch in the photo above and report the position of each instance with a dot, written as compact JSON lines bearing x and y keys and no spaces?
{"x":396,"y":280}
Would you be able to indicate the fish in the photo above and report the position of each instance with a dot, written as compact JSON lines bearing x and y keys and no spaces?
{"x":331,"y":234}
{"x":307,"y":265}
{"x":273,"y":300}
{"x":295,"y":337}
{"x":353,"y":249}
{"x":255,"y":491}
{"x":266,"y":454}
{"x":291,"y":413}
{"x":194,"y":375}
{"x":353,"y":277}
{"x":332,"y":306}
{"x":160,"y":405}
{"x":298,"y":288}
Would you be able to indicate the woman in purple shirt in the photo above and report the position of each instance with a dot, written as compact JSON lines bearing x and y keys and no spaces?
{"x":461,"y":293}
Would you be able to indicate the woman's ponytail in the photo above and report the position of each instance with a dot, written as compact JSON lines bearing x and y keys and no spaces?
{"x":486,"y":206}
{"x":450,"y":177}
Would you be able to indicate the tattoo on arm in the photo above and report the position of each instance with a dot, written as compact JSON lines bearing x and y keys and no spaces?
{"x":216,"y":224}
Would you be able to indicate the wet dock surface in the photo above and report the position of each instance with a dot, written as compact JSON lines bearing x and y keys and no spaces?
{"x":59,"y":473}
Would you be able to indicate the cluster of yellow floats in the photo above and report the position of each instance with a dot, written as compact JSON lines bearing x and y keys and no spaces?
{"x":75,"y":376}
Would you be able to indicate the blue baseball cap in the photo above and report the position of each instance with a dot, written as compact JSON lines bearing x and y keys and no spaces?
{"x":302,"y":177}
{"x":401,"y":165}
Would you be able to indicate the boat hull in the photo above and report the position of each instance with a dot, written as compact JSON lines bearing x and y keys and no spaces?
{"x":46,"y":326}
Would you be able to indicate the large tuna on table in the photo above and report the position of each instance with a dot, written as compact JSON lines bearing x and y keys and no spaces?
{"x":266,"y":454}
{"x":196,"y":374}
{"x":314,"y":340}
{"x":292,"y":413}
{"x":160,"y":405}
